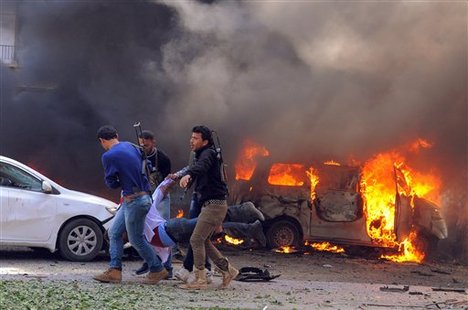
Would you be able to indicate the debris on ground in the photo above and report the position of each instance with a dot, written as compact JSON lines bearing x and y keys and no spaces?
{"x":405,"y":288}
{"x":253,"y":274}
{"x":449,"y":289}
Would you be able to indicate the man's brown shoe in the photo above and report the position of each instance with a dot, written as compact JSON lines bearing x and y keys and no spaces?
{"x":228,"y":275}
{"x":200,"y":282}
{"x":111,"y":275}
{"x":155,"y":277}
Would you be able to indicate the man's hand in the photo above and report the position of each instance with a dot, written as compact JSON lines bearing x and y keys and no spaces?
{"x":185,"y":181}
{"x":172,"y":176}
{"x":165,"y":189}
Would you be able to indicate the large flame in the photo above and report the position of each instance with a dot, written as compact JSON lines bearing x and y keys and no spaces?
{"x":382,"y":178}
{"x":378,"y":190}
{"x":246,"y":162}
{"x":286,"y":174}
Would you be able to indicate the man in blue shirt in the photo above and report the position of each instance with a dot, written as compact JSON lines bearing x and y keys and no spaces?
{"x":122,"y":163}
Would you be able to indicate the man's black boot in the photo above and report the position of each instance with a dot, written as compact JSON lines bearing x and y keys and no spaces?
{"x":143,"y":269}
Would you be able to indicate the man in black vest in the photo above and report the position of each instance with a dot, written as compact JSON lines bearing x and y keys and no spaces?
{"x":160,"y":167}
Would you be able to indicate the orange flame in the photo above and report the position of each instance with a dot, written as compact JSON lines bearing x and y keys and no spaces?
{"x":246,"y":162}
{"x":409,"y":252}
{"x":325,"y":246}
{"x":378,"y":190}
{"x":285,"y":249}
{"x":180,"y":213}
{"x":382,"y":177}
{"x":233,"y":240}
{"x":314,"y":179}
{"x":419,"y":184}
{"x":286,"y":174}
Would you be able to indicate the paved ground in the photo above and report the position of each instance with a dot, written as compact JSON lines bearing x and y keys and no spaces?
{"x":317,"y":280}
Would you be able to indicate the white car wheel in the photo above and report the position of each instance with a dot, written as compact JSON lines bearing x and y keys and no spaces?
{"x":80,"y":240}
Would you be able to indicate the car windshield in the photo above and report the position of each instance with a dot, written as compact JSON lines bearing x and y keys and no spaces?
{"x":14,"y":177}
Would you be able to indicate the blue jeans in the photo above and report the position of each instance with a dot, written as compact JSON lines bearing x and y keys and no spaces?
{"x":181,"y":229}
{"x":194,"y":211}
{"x":131,"y":218}
{"x":164,"y":208}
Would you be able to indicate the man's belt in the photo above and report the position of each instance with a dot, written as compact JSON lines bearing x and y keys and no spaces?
{"x":131,"y":197}
{"x":215,"y":202}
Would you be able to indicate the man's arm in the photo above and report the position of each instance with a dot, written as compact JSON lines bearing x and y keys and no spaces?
{"x":178,"y":174}
{"x":111,"y":174}
{"x":203,"y":164}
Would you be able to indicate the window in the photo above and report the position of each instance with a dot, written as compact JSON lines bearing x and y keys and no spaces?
{"x":287,"y":174}
{"x":14,"y":177}
{"x":8,"y":28}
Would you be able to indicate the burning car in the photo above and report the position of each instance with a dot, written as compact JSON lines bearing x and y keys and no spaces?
{"x":39,"y":213}
{"x":373,"y":205}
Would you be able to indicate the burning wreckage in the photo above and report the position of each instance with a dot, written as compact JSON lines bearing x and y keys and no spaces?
{"x":382,"y":204}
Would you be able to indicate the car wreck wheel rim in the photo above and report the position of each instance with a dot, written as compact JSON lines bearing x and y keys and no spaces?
{"x":284,"y":236}
{"x":82,"y":240}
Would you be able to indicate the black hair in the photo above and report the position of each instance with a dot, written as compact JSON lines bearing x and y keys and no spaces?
{"x":205,"y":133}
{"x":107,"y":132}
{"x":146,"y":134}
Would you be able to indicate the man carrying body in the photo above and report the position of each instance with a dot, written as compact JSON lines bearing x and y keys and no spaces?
{"x":242,"y":221}
{"x":122,"y":163}
{"x":212,"y":191}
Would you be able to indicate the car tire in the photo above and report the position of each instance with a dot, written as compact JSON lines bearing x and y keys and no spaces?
{"x":80,"y":240}
{"x":283,"y":233}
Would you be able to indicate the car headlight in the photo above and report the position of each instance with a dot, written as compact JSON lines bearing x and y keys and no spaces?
{"x":112,"y":209}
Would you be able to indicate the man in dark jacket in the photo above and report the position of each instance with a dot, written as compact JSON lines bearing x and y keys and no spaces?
{"x":212,"y":193}
{"x":160,"y":162}
{"x":160,"y":167}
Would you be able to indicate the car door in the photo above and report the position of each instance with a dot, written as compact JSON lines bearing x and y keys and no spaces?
{"x":403,"y":210}
{"x":5,"y":212}
{"x":26,"y":213}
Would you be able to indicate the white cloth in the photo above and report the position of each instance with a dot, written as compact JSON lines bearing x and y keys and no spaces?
{"x":154,"y":220}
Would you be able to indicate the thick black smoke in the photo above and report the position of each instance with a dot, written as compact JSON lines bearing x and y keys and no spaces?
{"x":309,"y":80}
{"x":82,"y":65}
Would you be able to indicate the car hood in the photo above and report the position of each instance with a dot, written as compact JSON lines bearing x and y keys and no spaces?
{"x":87,"y":198}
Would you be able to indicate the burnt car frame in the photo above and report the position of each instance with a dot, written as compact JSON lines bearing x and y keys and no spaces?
{"x":335,"y":212}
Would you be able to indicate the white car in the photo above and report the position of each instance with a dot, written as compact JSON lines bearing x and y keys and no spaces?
{"x":37,"y":212}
